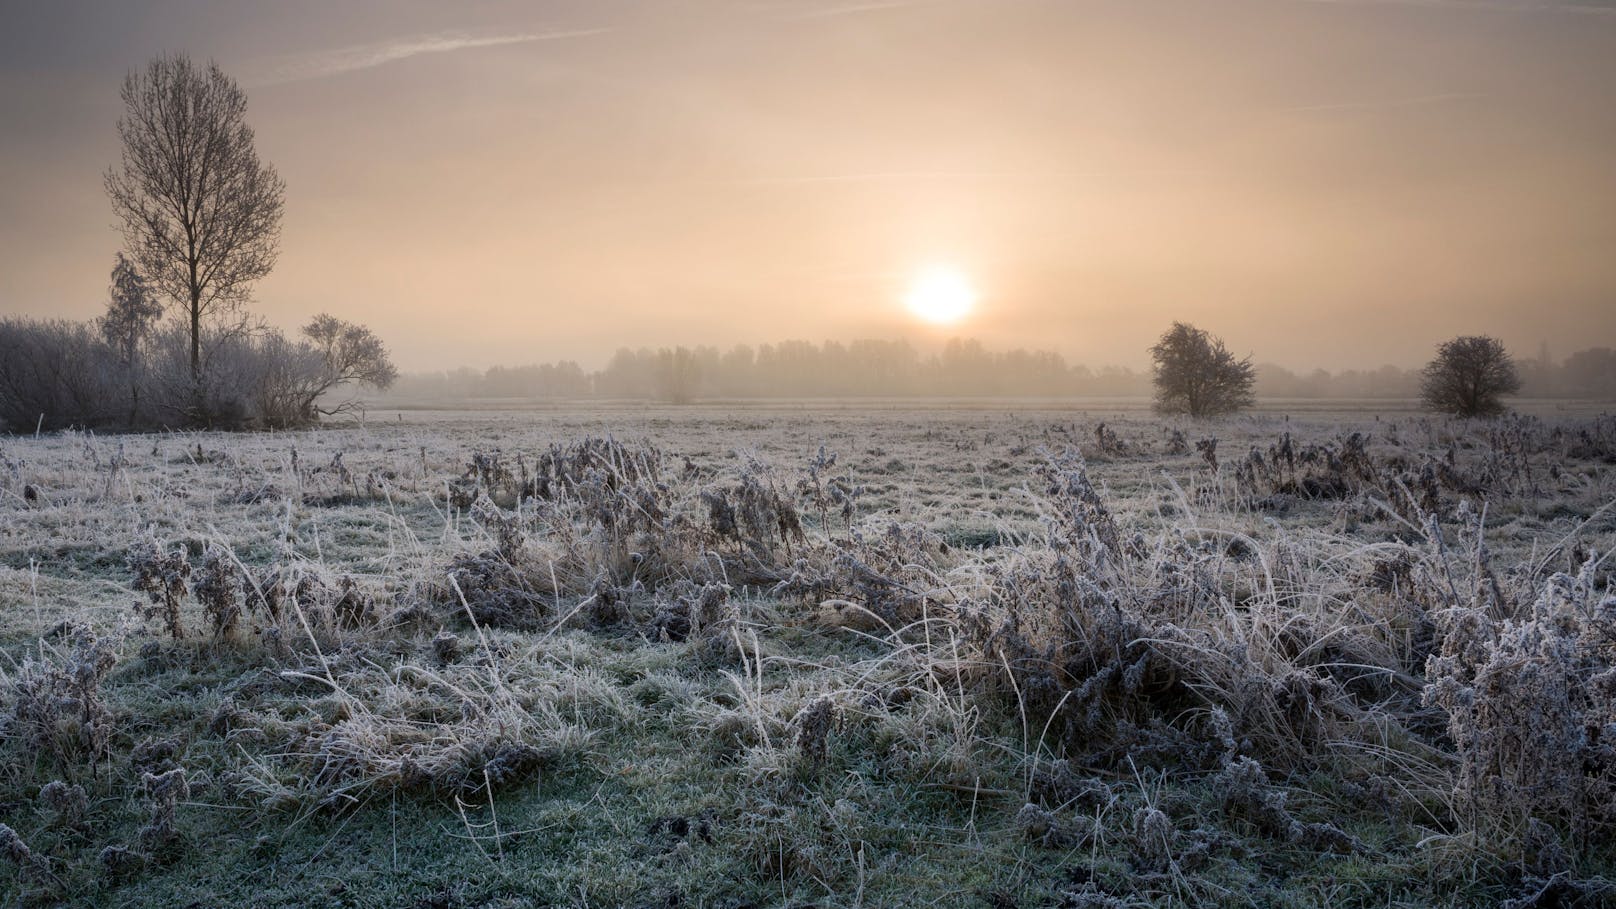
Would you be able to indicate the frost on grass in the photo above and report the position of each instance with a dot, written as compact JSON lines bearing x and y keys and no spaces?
{"x":1531,"y":704}
{"x":1330,"y":648}
{"x":58,"y":714}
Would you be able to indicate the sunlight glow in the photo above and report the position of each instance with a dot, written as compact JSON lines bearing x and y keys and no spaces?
{"x":940,"y":294}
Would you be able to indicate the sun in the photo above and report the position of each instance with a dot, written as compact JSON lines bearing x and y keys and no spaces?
{"x":940,"y":294}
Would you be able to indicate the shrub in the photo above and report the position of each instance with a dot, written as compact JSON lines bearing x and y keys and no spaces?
{"x":1531,"y":709}
{"x":1195,"y":374}
{"x":57,"y":374}
{"x":1468,"y":376}
{"x":165,"y":578}
{"x":58,"y":713}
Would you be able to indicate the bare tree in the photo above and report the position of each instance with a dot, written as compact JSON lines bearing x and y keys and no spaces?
{"x":677,"y":374}
{"x":336,"y":353}
{"x":1197,"y":375}
{"x":1468,"y":376}
{"x":201,"y":214}
{"x":130,"y":316}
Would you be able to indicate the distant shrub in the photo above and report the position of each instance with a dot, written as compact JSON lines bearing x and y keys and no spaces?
{"x":1195,"y":374}
{"x":1468,"y":377}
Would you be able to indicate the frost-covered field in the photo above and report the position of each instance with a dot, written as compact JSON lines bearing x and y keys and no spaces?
{"x":817,"y":655}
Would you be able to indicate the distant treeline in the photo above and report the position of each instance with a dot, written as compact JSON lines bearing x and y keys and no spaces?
{"x":963,"y":368}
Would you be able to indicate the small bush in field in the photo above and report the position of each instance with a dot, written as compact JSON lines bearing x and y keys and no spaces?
{"x":813,"y":727}
{"x":1531,"y":709}
{"x":164,"y":576}
{"x":164,"y":791}
{"x":1153,"y":837}
{"x":1468,"y":377}
{"x":220,"y":588}
{"x":32,"y":864}
{"x":58,"y":713}
{"x":67,"y":803}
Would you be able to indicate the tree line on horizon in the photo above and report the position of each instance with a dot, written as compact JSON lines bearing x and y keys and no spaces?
{"x":962,"y":368}
{"x":200,"y":217}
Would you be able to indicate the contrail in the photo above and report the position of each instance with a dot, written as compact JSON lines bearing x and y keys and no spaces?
{"x":852,"y":8}
{"x":1418,"y":101}
{"x":931,"y":175}
{"x":877,"y":176}
{"x":321,"y":64}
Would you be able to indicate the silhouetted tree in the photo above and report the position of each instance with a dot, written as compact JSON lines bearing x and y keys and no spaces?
{"x":1197,"y":375}
{"x":201,"y":214}
{"x":1468,"y":376}
{"x":131,"y":313}
{"x":677,"y":374}
{"x":347,"y":353}
{"x":1591,"y":372}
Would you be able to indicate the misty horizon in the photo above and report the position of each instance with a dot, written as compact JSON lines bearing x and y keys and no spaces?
{"x":1322,"y":185}
{"x":933,"y":349}
{"x":873,"y":368}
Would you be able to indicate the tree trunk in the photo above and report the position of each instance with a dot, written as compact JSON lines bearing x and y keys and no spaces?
{"x":196,"y":341}
{"x":197,"y":408}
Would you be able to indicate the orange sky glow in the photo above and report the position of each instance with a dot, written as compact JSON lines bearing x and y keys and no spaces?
{"x":1323,"y":184}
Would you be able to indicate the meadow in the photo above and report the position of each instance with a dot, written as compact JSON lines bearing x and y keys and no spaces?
{"x":827,"y":654}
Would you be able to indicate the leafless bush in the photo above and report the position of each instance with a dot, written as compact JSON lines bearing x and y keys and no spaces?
{"x":32,"y":864}
{"x":296,"y":375}
{"x":1243,"y":788}
{"x":164,"y":791}
{"x":220,"y":588}
{"x":813,"y":725}
{"x":164,"y":576}
{"x":824,"y":492}
{"x":496,"y":590}
{"x":1176,"y":444}
{"x":57,"y":374}
{"x":67,"y":803}
{"x":1053,"y":830}
{"x":446,"y":648}
{"x":1531,"y":706}
{"x":57,"y":713}
{"x":1153,"y":840}
{"x":755,"y":513}
{"x":118,"y":862}
{"x":1108,"y":443}
{"x":685,"y":610}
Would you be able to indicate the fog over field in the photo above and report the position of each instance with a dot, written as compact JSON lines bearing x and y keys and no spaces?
{"x":1049,"y":454}
{"x":1323,"y":184}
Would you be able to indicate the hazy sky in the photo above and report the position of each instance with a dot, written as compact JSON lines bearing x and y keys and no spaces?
{"x":1322,"y":182}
